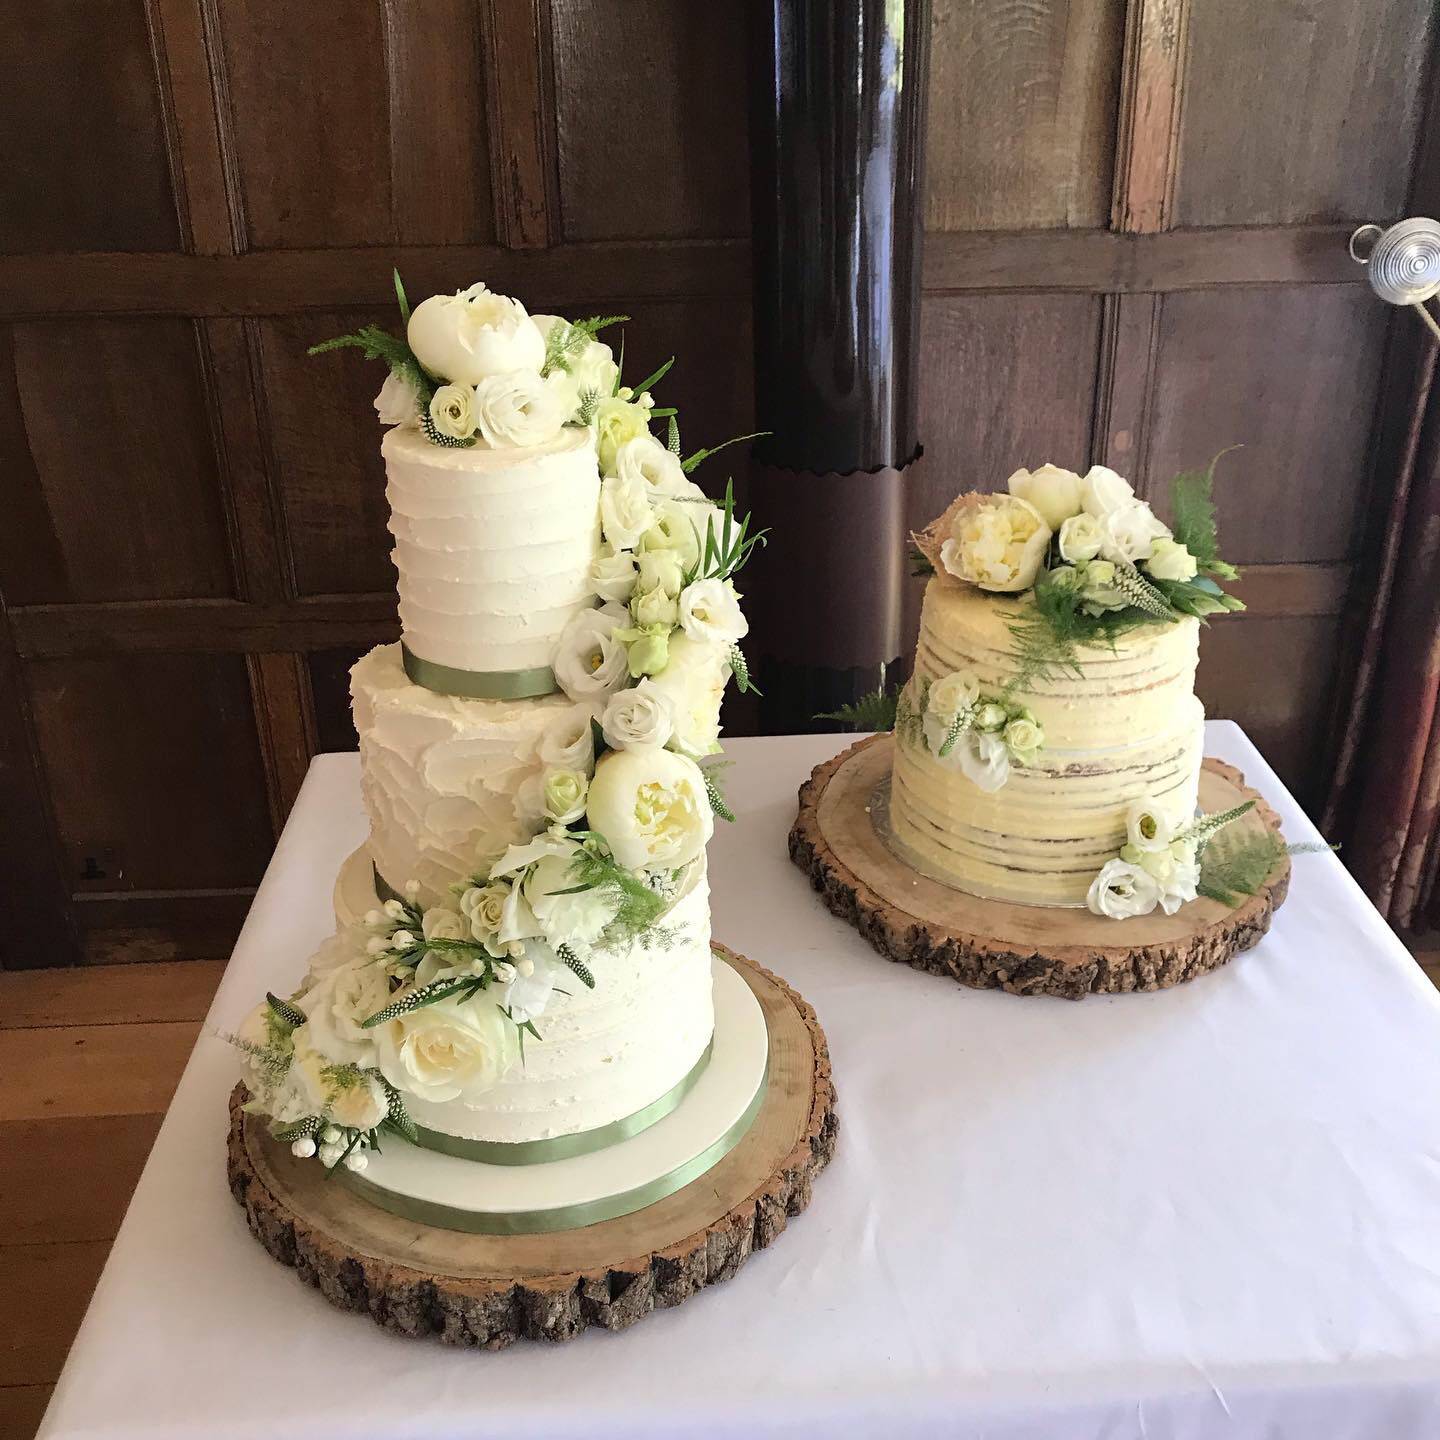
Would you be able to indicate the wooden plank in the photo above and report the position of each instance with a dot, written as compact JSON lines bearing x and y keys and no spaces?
{"x":1130,"y":331}
{"x":70,"y":1180}
{"x":108,"y":995}
{"x":284,"y":715}
{"x":130,"y":927}
{"x":1149,"y":114}
{"x":21,"y":1409}
{"x":79,"y":1070}
{"x":33,"y":1351}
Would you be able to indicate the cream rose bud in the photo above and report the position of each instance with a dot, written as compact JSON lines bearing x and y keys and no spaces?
{"x":398,"y":402}
{"x":661,"y":570}
{"x":1081,"y":537}
{"x":710,"y":613}
{"x":1170,"y":560}
{"x":447,"y":1051}
{"x":625,"y":511}
{"x":614,"y":575}
{"x":590,"y":661}
{"x":680,"y":526}
{"x":991,"y":717}
{"x":654,"y":607}
{"x":645,"y":458}
{"x":1121,"y":890}
{"x":483,"y":906}
{"x":639,"y":717}
{"x":953,"y":694}
{"x":473,"y":334}
{"x":517,"y":410}
{"x":694,"y":680}
{"x":617,"y":421}
{"x":1147,"y":827}
{"x":1023,"y":739}
{"x":452,"y":411}
{"x":1130,"y":532}
{"x":651,"y":807}
{"x":1102,"y":491}
{"x":441,"y":923}
{"x":1054,"y":492}
{"x":563,"y":792}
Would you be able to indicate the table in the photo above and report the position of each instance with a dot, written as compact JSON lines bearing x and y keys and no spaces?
{"x":1210,"y":1211}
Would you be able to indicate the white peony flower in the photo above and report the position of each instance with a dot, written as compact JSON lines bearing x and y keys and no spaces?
{"x":997,"y":542}
{"x":694,"y":680}
{"x":1102,"y":491}
{"x":398,"y":402}
{"x":644,"y":458}
{"x":710,"y":613}
{"x":516,"y":410}
{"x":1121,"y":890}
{"x":1081,"y":538}
{"x":638,"y":717}
{"x":651,"y":807}
{"x":661,"y":570}
{"x":617,"y":421}
{"x":1147,"y":827}
{"x":1131,"y":532}
{"x":625,"y":511}
{"x":452,"y":411}
{"x":337,"y":1004}
{"x":590,"y":662}
{"x":563,"y":793}
{"x":448,"y":1051}
{"x":1054,"y":492}
{"x":569,"y":742}
{"x":1170,"y":560}
{"x":983,"y":759}
{"x":614,"y":575}
{"x":473,"y":334}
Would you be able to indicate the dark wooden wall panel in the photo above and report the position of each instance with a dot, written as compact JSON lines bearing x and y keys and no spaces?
{"x":1300,"y":111}
{"x":330,"y":683}
{"x":80,"y":110}
{"x":665,"y":153}
{"x":116,"y":476}
{"x":1022,"y":113}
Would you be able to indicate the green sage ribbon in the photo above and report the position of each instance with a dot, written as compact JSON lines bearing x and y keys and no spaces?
{"x":561,"y":1217}
{"x":478,"y":684}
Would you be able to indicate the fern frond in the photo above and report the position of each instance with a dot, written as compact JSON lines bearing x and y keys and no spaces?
{"x":1191,"y":498}
{"x":876,"y":711}
{"x":595,"y":868}
{"x":565,"y":342}
{"x":1208,"y":825}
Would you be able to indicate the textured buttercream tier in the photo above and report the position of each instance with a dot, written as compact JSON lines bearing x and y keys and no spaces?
{"x":1128,"y":727}
{"x":493,"y":548}
{"x":443,"y":778}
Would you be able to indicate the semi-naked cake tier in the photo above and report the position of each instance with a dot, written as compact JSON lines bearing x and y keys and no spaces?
{"x":1129,"y":727}
{"x":493,"y":547}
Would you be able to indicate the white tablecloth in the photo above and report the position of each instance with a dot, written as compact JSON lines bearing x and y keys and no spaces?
{"x":1213,"y":1211}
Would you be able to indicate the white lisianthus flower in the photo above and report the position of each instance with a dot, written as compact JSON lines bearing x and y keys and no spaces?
{"x":473,"y":334}
{"x":447,"y":1051}
{"x":654,"y":608}
{"x":614,"y":575}
{"x":1054,"y":492}
{"x":518,"y":858}
{"x":661,"y":570}
{"x":645,"y":458}
{"x":625,"y":511}
{"x":452,"y":411}
{"x":1081,"y":538}
{"x":563,"y":792}
{"x":569,"y":742}
{"x":680,"y":526}
{"x":1024,"y":739}
{"x":1131,"y":532}
{"x":1184,"y":879}
{"x":1121,"y":890}
{"x":953,"y":694}
{"x":651,"y":807}
{"x":483,"y":907}
{"x":1170,"y":560}
{"x":516,"y":410}
{"x":997,"y":542}
{"x":567,"y":916}
{"x":710,"y":613}
{"x":694,"y":680}
{"x":336,"y":1006}
{"x":528,"y":992}
{"x":617,"y":421}
{"x":442,"y":923}
{"x":1147,"y":827}
{"x":642,"y":716}
{"x":592,"y":368}
{"x":1102,"y":491}
{"x":398,"y":402}
{"x":341,"y":948}
{"x":983,"y":759}
{"x":590,"y":662}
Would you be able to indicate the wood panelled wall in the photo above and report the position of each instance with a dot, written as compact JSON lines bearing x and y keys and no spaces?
{"x":1136,"y":221}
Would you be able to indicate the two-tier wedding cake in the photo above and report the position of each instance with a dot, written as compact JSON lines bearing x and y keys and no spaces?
{"x":522,"y":971}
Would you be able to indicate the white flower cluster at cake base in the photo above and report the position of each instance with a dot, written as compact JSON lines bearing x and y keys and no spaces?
{"x":977,"y":734}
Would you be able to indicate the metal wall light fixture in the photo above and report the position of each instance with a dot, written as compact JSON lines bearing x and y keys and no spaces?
{"x":1402,"y":263}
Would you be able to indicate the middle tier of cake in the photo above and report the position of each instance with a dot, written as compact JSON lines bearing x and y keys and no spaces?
{"x":1128,"y":727}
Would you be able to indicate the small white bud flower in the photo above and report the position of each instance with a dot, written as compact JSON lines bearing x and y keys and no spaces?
{"x":330,"y":1135}
{"x":374,"y":917}
{"x":525,"y":967}
{"x":402,"y":939}
{"x":356,"y":1161}
{"x":647,"y":400}
{"x":412,"y":889}
{"x":376,"y":946}
{"x":303,"y":1148}
{"x":394,"y":909}
{"x":329,"y":1154}
{"x":624,"y":393}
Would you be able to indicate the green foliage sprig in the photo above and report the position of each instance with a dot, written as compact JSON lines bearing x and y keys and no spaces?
{"x":565,"y":342}
{"x":722,"y":554}
{"x":740,"y":669}
{"x":704,"y":453}
{"x":876,"y":710}
{"x":1234,"y":867}
{"x":713,"y":792}
{"x":595,"y":868}
{"x":1192,"y":499}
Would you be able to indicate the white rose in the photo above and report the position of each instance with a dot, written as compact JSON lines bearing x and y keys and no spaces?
{"x":625,"y":512}
{"x":1121,"y":890}
{"x":654,"y":607}
{"x":1131,"y":532}
{"x":1147,"y":827}
{"x":1054,"y":492}
{"x":516,"y":410}
{"x":638,"y":717}
{"x":681,"y":526}
{"x":452,"y":411}
{"x":651,"y":807}
{"x":569,"y":742}
{"x":1170,"y":560}
{"x":1102,"y":491}
{"x":997,"y":542}
{"x":617,"y":421}
{"x":473,"y":334}
{"x":983,"y":759}
{"x":614,"y":574}
{"x":644,"y":458}
{"x":483,"y":908}
{"x":567,"y":916}
{"x":441,"y":923}
{"x":1081,"y":537}
{"x":1023,"y":739}
{"x":398,"y":402}
{"x":529,"y":991}
{"x":563,"y":793}
{"x":710,"y":613}
{"x":661,"y":570}
{"x":448,"y":1051}
{"x":954,"y":693}
{"x":694,"y":680}
{"x":590,"y":661}
{"x":337,"y":1004}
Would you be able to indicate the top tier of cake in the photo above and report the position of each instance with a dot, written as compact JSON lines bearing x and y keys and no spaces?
{"x":493,"y":546}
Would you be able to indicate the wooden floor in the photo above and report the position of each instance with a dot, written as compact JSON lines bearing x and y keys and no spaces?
{"x":88,"y":1061}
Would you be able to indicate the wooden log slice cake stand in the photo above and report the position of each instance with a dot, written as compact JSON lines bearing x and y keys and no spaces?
{"x":488,"y":1291}
{"x":1028,"y":950}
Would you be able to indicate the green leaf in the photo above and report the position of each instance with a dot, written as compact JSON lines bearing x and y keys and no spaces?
{"x":920,"y":562}
{"x":653,"y":379}
{"x":691,"y":461}
{"x":722,"y":554}
{"x":400,"y":296}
